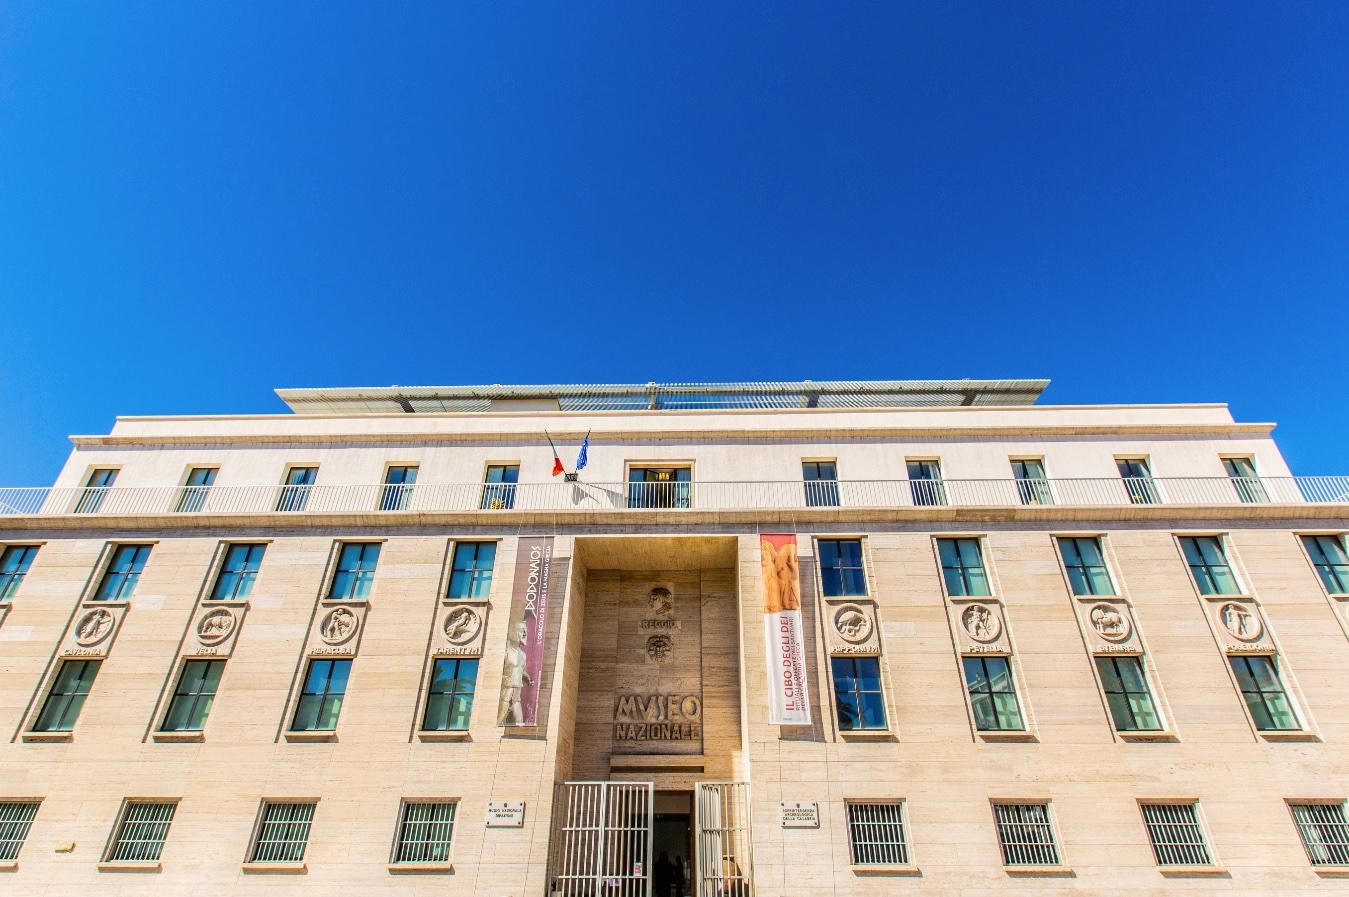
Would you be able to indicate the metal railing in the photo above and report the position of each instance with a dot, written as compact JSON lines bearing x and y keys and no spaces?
{"x":716,"y":496}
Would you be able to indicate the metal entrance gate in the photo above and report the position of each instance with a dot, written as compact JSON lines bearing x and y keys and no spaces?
{"x":725,"y":855}
{"x":602,"y":839}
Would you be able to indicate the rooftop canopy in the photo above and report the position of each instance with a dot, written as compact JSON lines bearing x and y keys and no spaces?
{"x":663,"y":396}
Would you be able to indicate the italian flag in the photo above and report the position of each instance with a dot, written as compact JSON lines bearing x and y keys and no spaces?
{"x":557,"y":460}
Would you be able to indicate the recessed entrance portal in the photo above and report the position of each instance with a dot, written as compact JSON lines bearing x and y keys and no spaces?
{"x":672,"y":873}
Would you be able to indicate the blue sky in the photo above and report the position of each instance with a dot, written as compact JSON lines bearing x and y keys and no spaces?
{"x":200,"y":202}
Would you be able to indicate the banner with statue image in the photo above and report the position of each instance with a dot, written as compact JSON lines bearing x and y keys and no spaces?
{"x":526,"y":633}
{"x":784,"y":639}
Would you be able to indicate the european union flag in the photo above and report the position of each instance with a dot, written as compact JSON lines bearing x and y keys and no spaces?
{"x":581,"y":457}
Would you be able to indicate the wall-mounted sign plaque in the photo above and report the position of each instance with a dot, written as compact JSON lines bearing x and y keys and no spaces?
{"x":505,"y":814}
{"x":800,"y":815}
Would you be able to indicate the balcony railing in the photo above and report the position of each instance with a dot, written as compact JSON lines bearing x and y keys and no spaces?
{"x":716,"y":496}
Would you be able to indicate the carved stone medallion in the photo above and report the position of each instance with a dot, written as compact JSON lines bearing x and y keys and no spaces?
{"x":1241,"y":620}
{"x":852,"y":623}
{"x":981,"y":622}
{"x":1110,"y":622}
{"x":660,"y":602}
{"x":659,"y":648}
{"x":338,"y":626}
{"x":461,"y":625}
{"x":94,"y":627}
{"x":215,"y":627}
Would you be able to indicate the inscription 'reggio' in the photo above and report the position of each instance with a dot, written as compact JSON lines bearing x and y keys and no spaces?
{"x":658,"y":717}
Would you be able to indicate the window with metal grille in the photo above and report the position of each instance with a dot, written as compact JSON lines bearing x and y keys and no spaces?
{"x":193,"y":696}
{"x":1324,"y":831}
{"x":294,"y":494}
{"x":841,"y":569}
{"x":471,"y":570}
{"x":1032,"y":487}
{"x":325,"y":685}
{"x":193,"y":495}
{"x":1327,"y":554}
{"x":660,"y":487}
{"x":70,"y":686}
{"x":424,"y":832}
{"x":1137,"y":477}
{"x":355,"y":573}
{"x":876,"y":834}
{"x":821,"y":479}
{"x":14,"y":563}
{"x":16,"y":817}
{"x":95,"y":490}
{"x":962,"y":567}
{"x":237,"y":573}
{"x":858,"y":697}
{"x":124,"y":571}
{"x":1264,"y":693}
{"x":141,"y":832}
{"x":397,"y":491}
{"x":449,"y":701}
{"x":1208,"y":565}
{"x":1241,"y":471}
{"x":992,"y":694}
{"x":283,"y":833}
{"x":1176,"y":834}
{"x":1127,"y":693}
{"x":498,"y":490}
{"x":1026,"y":835}
{"x":925,"y":483}
{"x":1085,"y":565}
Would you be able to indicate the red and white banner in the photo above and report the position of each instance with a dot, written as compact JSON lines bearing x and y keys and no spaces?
{"x":789,"y":699}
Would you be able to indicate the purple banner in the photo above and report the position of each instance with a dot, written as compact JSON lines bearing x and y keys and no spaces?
{"x":526,"y":633}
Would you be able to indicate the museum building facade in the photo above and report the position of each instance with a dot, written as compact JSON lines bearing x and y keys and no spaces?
{"x":699,"y":639}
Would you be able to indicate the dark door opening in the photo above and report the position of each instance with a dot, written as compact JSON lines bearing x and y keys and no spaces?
{"x":672,"y":872}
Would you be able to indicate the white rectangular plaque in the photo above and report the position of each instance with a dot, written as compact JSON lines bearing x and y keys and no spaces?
{"x":505,"y":814}
{"x":800,"y":815}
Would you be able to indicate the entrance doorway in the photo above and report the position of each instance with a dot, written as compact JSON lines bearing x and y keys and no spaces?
{"x":672,"y":873}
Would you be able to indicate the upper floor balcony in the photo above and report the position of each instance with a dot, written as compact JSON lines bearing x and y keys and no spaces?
{"x":813,"y":496}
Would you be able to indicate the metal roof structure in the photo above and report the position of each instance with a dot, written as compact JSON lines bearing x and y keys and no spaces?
{"x":663,"y":396}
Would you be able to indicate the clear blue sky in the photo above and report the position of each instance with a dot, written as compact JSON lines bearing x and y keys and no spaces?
{"x":200,"y":202}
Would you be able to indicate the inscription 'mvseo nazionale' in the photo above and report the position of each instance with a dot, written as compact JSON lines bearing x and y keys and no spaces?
{"x":658,"y":717}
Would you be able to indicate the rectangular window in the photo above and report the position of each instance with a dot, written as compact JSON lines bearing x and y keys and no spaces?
{"x":449,"y":699}
{"x":498,"y":490}
{"x":962,"y":567}
{"x":1138,"y":482}
{"x":857,"y":693}
{"x":1327,"y":554}
{"x":841,"y":569}
{"x":471,"y":571}
{"x":925,"y":482}
{"x":16,"y":818}
{"x":193,"y":696}
{"x":1262,"y":688}
{"x":95,"y":490}
{"x":69,"y":688}
{"x":876,"y":834}
{"x":294,"y":494}
{"x":124,"y":571}
{"x":1026,"y":835}
{"x":193,"y":494}
{"x":424,"y":832}
{"x":397,"y":491}
{"x":1085,"y":565}
{"x":1176,"y":834}
{"x":141,"y":832}
{"x":1241,"y":471}
{"x":659,"y":487}
{"x":1032,"y":487}
{"x":821,"y":479}
{"x":1324,"y":831}
{"x":1127,"y":693}
{"x":283,"y":833}
{"x":325,"y":685}
{"x":14,"y":563}
{"x":1208,"y":564}
{"x":237,"y":572}
{"x":355,"y":574}
{"x":992,"y":694}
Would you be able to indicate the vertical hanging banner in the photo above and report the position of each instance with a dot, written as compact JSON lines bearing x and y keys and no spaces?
{"x":526,"y":633}
{"x":783,"y":635}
